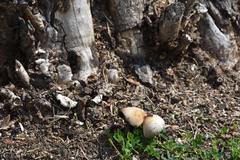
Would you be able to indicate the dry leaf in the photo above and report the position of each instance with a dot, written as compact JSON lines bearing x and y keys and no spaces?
{"x":134,"y":82}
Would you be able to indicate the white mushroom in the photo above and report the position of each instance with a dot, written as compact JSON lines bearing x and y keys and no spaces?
{"x":153,"y":125}
{"x":134,"y":116}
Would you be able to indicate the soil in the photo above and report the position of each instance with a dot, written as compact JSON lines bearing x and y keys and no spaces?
{"x":187,"y":92}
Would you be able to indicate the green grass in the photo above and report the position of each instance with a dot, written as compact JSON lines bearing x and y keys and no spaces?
{"x":130,"y":143}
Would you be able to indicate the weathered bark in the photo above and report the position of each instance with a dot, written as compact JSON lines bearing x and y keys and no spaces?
{"x":187,"y":13}
{"x":217,"y":43}
{"x":170,"y":22}
{"x":218,"y":33}
{"x":78,"y":27}
{"x":127,"y":16}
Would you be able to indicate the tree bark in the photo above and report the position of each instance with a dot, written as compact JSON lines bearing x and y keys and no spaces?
{"x":217,"y":43}
{"x":127,"y":16}
{"x":170,"y":22}
{"x":219,"y":32}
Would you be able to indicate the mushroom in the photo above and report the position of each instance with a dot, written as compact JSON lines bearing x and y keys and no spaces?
{"x":134,"y":116}
{"x":152,"y":125}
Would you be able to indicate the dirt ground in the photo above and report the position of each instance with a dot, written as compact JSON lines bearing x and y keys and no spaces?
{"x":187,"y":93}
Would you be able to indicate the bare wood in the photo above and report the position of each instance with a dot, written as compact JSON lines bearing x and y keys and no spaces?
{"x":78,"y":26}
{"x":217,"y":43}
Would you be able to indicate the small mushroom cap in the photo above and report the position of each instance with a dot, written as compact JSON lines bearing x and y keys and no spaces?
{"x":152,"y":126}
{"x":134,"y":116}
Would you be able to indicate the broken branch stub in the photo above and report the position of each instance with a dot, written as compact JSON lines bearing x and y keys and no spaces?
{"x":170,"y":22}
{"x":217,"y":43}
{"x":127,"y":15}
{"x":78,"y":27}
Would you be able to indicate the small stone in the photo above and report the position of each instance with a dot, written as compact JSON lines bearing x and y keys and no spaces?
{"x":80,"y":123}
{"x":145,"y":74}
{"x":43,"y":65}
{"x":66,"y":102}
{"x":64,"y":73}
{"x":98,"y":99}
{"x":113,"y":75}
